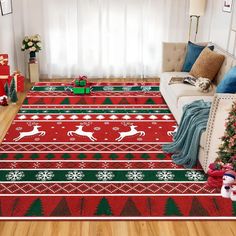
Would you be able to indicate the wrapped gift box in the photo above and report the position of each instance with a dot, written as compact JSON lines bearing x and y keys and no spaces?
{"x":3,"y":80}
{"x":19,"y":80}
{"x":3,"y":59}
{"x":4,"y":70}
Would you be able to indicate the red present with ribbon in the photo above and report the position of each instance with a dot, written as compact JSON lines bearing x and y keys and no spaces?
{"x":3,"y":80}
{"x":3,"y":59}
{"x":19,"y":80}
{"x":4,"y":70}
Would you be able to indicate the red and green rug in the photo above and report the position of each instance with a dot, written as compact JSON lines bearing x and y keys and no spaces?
{"x":99,"y":156}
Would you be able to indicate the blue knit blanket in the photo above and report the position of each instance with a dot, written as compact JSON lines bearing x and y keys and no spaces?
{"x":186,"y":141}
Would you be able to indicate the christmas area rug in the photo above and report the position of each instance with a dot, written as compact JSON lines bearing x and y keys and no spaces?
{"x":99,"y":156}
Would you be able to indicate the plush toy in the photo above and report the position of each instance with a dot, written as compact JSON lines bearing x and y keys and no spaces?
{"x":3,"y":101}
{"x":228,"y":180}
{"x":203,"y":84}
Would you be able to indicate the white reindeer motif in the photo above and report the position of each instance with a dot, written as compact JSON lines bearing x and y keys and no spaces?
{"x":132,"y":132}
{"x":171,"y":133}
{"x":30,"y":133}
{"x":80,"y":132}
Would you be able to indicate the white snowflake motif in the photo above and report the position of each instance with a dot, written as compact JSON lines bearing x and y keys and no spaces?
{"x":108,"y":88}
{"x":165,"y":175}
{"x":45,"y":175}
{"x":135,"y":175}
{"x":75,"y":175}
{"x":15,"y":175}
{"x":50,"y":89}
{"x":194,"y":175}
{"x":146,"y":88}
{"x":126,"y":88}
{"x":105,"y":175}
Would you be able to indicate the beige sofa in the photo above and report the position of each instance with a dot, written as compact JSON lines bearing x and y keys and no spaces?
{"x":178,"y":95}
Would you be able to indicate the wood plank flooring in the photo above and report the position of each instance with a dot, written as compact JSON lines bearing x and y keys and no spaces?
{"x":105,"y":228}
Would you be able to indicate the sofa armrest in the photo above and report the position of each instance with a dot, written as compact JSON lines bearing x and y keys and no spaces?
{"x":173,"y":56}
{"x":221,"y":106}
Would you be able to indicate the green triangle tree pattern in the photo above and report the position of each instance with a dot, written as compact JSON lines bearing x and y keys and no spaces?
{"x":234,"y":208}
{"x":197,"y":209}
{"x":129,"y":156}
{"x":103,"y":208}
{"x":130,"y":209}
{"x":150,"y":101}
{"x":107,"y":101}
{"x":62,"y":209}
{"x":3,"y":156}
{"x":65,"y":101}
{"x":19,"y":156}
{"x":113,"y":156}
{"x":35,"y":208}
{"x":171,"y":208}
{"x":50,"y":156}
{"x":66,"y":156}
{"x":26,"y":101}
{"x":81,"y":156}
{"x":34,"y":156}
{"x":145,"y":156}
{"x":97,"y":156}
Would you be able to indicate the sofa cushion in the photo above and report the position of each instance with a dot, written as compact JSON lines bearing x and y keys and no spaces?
{"x":181,"y":90}
{"x":207,"y":65}
{"x":203,"y":140}
{"x":193,"y":52}
{"x":228,"y":84}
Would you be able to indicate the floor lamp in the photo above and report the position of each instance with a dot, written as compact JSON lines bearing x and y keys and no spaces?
{"x":196,"y":9}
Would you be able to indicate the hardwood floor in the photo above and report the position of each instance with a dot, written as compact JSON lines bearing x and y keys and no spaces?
{"x":108,"y":228}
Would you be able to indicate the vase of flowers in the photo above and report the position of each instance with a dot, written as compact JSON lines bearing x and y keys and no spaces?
{"x":33,"y":44}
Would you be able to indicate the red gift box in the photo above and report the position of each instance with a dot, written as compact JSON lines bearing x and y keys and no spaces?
{"x":19,"y":80}
{"x":4,"y":70}
{"x":3,"y":80}
{"x":3,"y":59}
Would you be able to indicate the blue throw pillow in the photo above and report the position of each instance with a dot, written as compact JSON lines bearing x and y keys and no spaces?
{"x":193,"y":52}
{"x":228,"y":84}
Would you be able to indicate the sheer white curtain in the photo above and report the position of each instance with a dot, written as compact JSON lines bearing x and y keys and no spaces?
{"x":101,"y":38}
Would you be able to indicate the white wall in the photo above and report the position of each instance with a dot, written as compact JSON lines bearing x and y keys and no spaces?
{"x":7,"y":39}
{"x":221,"y":32}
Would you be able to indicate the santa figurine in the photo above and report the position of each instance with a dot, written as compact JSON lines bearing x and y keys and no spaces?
{"x":228,"y":181}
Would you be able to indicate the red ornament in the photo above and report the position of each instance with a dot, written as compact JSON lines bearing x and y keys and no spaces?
{"x":4,"y":101}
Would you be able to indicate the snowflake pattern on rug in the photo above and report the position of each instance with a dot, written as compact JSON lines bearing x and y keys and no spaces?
{"x":135,"y":175}
{"x":105,"y":175}
{"x":45,"y":175}
{"x":15,"y":175}
{"x":75,"y":175}
{"x":165,"y":175}
{"x":194,"y":175}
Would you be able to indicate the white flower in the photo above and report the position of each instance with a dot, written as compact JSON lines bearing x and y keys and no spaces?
{"x":33,"y":49}
{"x":165,"y":175}
{"x":39,"y":45}
{"x":15,"y":175}
{"x":75,"y":175}
{"x":194,"y":175}
{"x":44,"y":175}
{"x":135,"y":175}
{"x":26,"y":39}
{"x":23,"y":46}
{"x":105,"y":175}
{"x":146,"y":88}
{"x":108,"y":88}
{"x":30,"y":44}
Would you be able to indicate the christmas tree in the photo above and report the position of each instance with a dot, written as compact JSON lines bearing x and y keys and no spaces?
{"x":14,"y":97}
{"x":12,"y":86}
{"x":103,"y":208}
{"x":227,"y":149}
{"x":6,"y":89}
{"x":171,"y":208}
{"x":35,"y":209}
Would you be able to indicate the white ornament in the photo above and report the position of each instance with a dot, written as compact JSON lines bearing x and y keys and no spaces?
{"x":75,"y":175}
{"x":105,"y":175}
{"x":30,"y":133}
{"x":165,"y":175}
{"x":135,"y":175}
{"x":194,"y":175}
{"x":45,"y":175}
{"x":15,"y":175}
